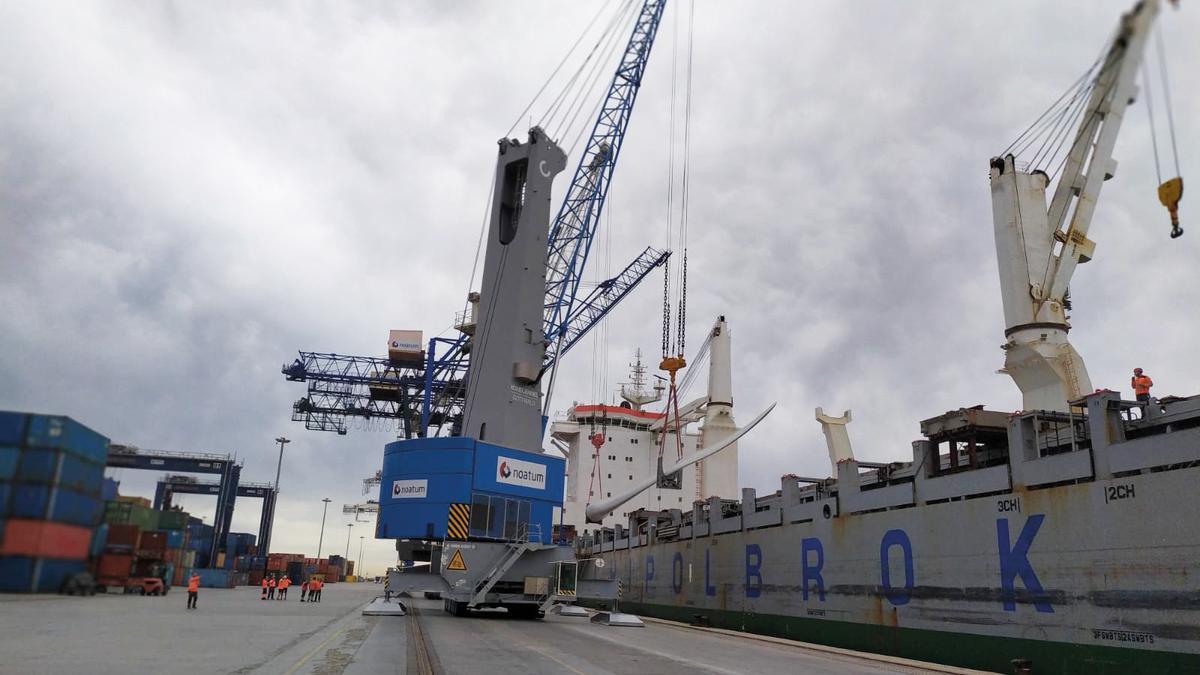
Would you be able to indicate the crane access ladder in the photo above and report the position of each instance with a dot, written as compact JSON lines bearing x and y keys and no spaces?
{"x":528,"y":540}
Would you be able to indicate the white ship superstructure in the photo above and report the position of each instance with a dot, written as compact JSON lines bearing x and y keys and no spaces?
{"x":628,"y":442}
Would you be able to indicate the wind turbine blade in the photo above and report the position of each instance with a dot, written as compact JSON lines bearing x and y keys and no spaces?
{"x":595,"y":512}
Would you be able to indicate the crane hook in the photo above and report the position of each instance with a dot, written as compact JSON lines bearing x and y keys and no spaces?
{"x":1169,"y":193}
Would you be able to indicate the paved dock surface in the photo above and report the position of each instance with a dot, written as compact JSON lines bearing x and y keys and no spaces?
{"x":235,"y":632}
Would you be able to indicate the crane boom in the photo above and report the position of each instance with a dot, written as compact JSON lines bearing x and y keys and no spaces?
{"x":1036,"y":256}
{"x":574,"y":227}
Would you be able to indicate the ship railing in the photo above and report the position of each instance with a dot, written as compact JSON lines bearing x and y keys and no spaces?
{"x":1059,"y":432}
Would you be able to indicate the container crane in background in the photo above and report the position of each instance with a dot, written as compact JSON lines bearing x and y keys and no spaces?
{"x":431,"y":395}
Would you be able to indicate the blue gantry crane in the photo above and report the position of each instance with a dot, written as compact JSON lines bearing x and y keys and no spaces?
{"x":228,"y":468}
{"x":173,"y":484}
{"x":372,"y":387}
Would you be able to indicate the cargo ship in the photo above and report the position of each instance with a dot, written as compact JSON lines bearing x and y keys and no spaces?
{"x":1055,"y":538}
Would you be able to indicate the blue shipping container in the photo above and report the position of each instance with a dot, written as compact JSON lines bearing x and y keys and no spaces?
{"x":210,"y":578}
{"x":16,"y":574}
{"x":109,"y":488}
{"x":81,"y":475}
{"x":28,"y":501}
{"x":5,"y":490}
{"x":99,"y":539}
{"x":8,"y":462}
{"x":54,"y":572}
{"x":54,"y":431}
{"x":38,"y":465}
{"x":174,"y":538}
{"x":68,"y":506}
{"x":19,"y":574}
{"x":12,"y":427}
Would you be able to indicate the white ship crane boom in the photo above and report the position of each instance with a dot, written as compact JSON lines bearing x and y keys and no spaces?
{"x":1036,"y":256}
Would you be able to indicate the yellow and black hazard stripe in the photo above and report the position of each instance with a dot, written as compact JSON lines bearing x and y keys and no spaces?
{"x":458,"y":521}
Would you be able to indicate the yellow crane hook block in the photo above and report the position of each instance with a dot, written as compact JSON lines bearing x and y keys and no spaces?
{"x":1169,"y":193}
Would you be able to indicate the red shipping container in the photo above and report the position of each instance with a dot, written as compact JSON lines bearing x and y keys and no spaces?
{"x":114,"y":566}
{"x":45,"y":539}
{"x":123,"y":535}
{"x":153,"y":541}
{"x":151,"y":554}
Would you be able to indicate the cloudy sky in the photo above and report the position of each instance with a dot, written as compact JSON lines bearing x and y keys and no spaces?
{"x":191,"y":193}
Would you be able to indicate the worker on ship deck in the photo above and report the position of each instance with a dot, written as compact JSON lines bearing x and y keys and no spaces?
{"x":1141,"y":384}
{"x":282,"y":587}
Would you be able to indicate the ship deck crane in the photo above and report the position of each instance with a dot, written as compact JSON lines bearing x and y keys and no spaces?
{"x":1037,"y":255}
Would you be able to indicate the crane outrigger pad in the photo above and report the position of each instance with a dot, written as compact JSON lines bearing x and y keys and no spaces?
{"x":618,"y":619}
{"x":381,"y":606}
{"x":569,"y":610}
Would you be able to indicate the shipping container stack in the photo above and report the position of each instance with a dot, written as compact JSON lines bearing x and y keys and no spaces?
{"x":51,"y":474}
{"x":199,"y":542}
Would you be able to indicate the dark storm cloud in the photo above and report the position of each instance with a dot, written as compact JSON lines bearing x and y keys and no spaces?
{"x":190,"y":194}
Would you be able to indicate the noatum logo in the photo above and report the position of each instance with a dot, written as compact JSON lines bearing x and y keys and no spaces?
{"x":517,"y":472}
{"x":409,"y":489}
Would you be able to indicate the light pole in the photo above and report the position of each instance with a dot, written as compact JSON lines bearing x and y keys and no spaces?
{"x":321,"y":541}
{"x":359,"y":563}
{"x":349,"y":529}
{"x":266,"y":545}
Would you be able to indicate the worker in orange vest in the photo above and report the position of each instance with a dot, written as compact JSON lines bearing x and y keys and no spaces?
{"x":282,"y":586}
{"x":314,"y":590}
{"x":193,"y":590}
{"x":271,"y":588}
{"x":303,"y":590}
{"x":1141,"y":385}
{"x":264,"y":589}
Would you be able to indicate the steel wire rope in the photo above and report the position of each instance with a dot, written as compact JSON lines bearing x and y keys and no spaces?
{"x":566,"y":57}
{"x":1047,"y":119}
{"x":1061,"y":126}
{"x":609,"y":30}
{"x":1150,"y":116}
{"x":590,"y":85}
{"x":1019,"y":147}
{"x":592,"y":78}
{"x":1056,"y":102}
{"x":1071,"y":123}
{"x":666,"y":329}
{"x":548,"y":117}
{"x":1166,"y":87}
{"x":685,"y":183}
